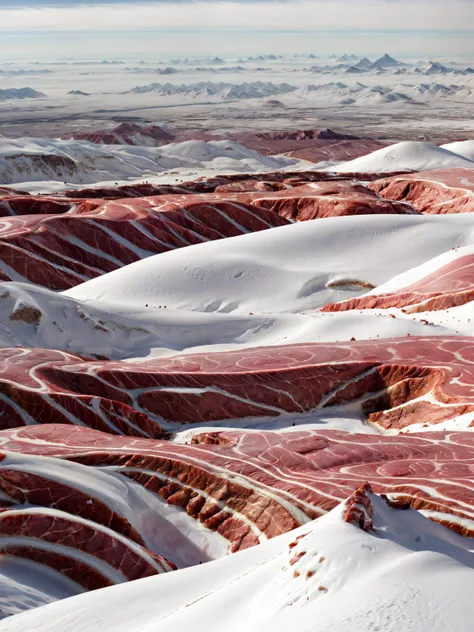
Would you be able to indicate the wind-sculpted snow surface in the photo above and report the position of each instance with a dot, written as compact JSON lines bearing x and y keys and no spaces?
{"x":447,"y":284}
{"x":330,"y":574}
{"x":409,"y":155}
{"x":433,"y":192}
{"x":396,"y":383}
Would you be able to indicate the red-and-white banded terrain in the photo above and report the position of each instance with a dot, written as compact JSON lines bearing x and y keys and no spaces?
{"x":448,"y":282}
{"x":436,"y":192}
{"x":192,"y":370}
{"x":396,"y":383}
{"x":61,"y":242}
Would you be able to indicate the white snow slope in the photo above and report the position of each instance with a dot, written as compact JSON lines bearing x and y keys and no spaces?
{"x":463,"y":148}
{"x":411,"y":575}
{"x":408,"y":155}
{"x":284,"y":270}
{"x":82,"y":162}
{"x":205,"y":297}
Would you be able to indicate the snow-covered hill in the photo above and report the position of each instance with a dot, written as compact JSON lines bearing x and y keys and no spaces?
{"x":74,"y":161}
{"x":405,"y":156}
{"x":181,"y":301}
{"x":307,"y":272}
{"x":464,"y":148}
{"x":221,"y":91}
{"x":360,"y":94}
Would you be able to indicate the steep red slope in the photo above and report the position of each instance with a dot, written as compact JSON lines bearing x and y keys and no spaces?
{"x":250,"y":486}
{"x":312,"y":145}
{"x":63,"y":250}
{"x":448,"y":286}
{"x":92,"y":556}
{"x":127,"y":134}
{"x":330,"y":199}
{"x":433,"y":192}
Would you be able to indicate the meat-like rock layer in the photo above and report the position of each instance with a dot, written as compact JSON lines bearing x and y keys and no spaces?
{"x":449,"y":286}
{"x":432,"y":192}
{"x":61,"y":526}
{"x":62,"y":250}
{"x":250,"y":486}
{"x":396,"y":382}
{"x":61,"y":242}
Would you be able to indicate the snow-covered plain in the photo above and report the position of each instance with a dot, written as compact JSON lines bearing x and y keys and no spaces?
{"x":410,"y":100}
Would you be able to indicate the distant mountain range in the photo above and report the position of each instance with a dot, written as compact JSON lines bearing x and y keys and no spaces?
{"x":388,"y":65}
{"x":336,"y":92}
{"x":20,"y":93}
{"x":223,"y":91}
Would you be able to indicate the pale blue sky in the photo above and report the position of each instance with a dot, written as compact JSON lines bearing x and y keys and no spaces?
{"x":151,"y":29}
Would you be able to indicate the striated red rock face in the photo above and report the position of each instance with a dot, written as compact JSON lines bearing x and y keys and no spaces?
{"x":250,"y":486}
{"x":128,"y":134}
{"x":330,"y":199}
{"x":303,"y":134}
{"x":9,"y":191}
{"x":449,"y":286}
{"x":312,"y":145}
{"x":358,"y":508}
{"x":328,"y":151}
{"x":409,"y":380}
{"x":432,"y":192}
{"x":59,"y":242}
{"x":91,"y":477}
{"x":241,"y":182}
{"x":92,"y":556}
{"x":46,"y":517}
{"x":62,"y":250}
{"x":11,"y":205}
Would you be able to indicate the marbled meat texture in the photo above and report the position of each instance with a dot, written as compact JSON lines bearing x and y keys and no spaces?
{"x":91,"y":555}
{"x":397,"y":383}
{"x":60,"y":251}
{"x":254,"y":485}
{"x":329,"y":199}
{"x":63,"y":243}
{"x":449,"y":286}
{"x":432,"y":192}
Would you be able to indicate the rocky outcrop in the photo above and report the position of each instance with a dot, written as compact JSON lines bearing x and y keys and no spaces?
{"x":451,"y":284}
{"x":432,"y":192}
{"x":128,"y":134}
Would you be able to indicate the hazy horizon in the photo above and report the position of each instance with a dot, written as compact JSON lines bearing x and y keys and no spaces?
{"x":114,"y":29}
